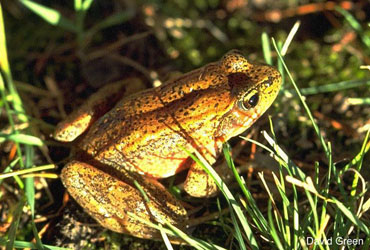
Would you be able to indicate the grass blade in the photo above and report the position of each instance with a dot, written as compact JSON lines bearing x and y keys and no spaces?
{"x":358,"y":101}
{"x":22,"y":138}
{"x":274,"y":234}
{"x":83,"y":5}
{"x":228,"y":195}
{"x":25,"y":244}
{"x":30,"y":195}
{"x":316,"y":128}
{"x":355,"y":25}
{"x":112,"y":20}
{"x":174,"y":231}
{"x":266,"y":48}
{"x":332,"y":87}
{"x":50,"y":15}
{"x":14,"y":226}
{"x":352,"y":217}
{"x":290,"y":37}
{"x":252,"y":208}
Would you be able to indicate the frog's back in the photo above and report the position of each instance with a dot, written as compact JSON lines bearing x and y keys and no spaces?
{"x":142,"y":137}
{"x":198,"y":111}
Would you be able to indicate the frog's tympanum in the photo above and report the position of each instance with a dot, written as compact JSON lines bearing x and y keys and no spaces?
{"x":132,"y":138}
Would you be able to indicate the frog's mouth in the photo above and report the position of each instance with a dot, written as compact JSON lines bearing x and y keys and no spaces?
{"x":236,"y":122}
{"x":245,"y":119}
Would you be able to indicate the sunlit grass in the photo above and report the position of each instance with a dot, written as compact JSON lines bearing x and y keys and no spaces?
{"x":23,"y":141}
{"x":286,"y":225}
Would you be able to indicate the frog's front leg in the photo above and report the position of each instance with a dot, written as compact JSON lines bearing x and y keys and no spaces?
{"x":96,"y":106}
{"x":199,"y":183}
{"x":112,"y":201}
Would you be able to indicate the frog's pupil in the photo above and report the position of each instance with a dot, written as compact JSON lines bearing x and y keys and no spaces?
{"x":253,"y":100}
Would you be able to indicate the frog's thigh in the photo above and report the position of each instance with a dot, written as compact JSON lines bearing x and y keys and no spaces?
{"x":96,"y":106}
{"x":108,"y":199}
{"x":198,"y":183}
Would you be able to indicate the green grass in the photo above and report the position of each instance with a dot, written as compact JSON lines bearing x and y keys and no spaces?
{"x":288,"y":225}
{"x":322,"y":206}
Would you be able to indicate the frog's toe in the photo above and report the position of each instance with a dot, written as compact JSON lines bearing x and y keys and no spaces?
{"x":69,"y":129}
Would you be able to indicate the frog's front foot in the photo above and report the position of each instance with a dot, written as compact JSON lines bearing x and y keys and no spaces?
{"x":113,"y":202}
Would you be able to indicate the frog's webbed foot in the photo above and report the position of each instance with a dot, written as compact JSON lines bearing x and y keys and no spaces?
{"x":111,"y":201}
{"x":96,"y":106}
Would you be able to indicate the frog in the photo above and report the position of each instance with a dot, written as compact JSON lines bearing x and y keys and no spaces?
{"x":128,"y":138}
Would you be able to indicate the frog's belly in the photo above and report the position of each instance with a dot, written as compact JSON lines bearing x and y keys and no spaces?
{"x":152,"y":164}
{"x":155,"y":164}
{"x":159,"y":158}
{"x":159,"y":166}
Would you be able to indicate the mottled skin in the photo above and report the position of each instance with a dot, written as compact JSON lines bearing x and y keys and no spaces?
{"x":140,"y":140}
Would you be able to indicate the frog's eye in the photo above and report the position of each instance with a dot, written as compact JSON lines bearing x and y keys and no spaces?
{"x":253,"y":100}
{"x":250,"y":100}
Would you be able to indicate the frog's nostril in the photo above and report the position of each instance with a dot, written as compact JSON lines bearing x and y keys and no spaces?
{"x":268,"y":82}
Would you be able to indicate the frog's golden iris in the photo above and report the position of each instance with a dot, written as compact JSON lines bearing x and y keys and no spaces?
{"x":134,"y":136}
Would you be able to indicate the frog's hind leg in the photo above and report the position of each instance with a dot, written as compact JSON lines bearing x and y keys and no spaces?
{"x":113,"y":202}
{"x":97,"y":105}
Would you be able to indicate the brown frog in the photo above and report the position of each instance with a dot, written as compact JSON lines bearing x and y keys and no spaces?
{"x":132,"y":141}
